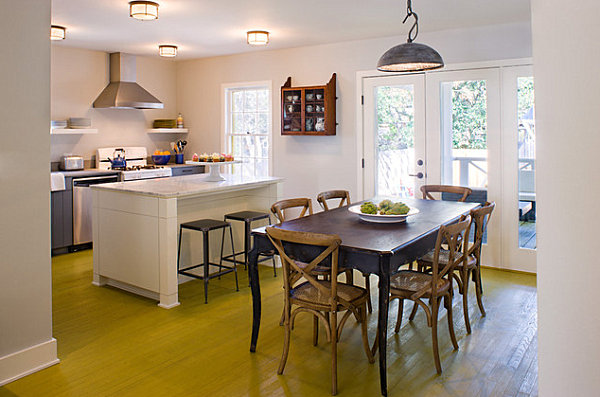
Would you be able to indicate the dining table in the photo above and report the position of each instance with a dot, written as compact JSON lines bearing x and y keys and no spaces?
{"x":371,"y":248}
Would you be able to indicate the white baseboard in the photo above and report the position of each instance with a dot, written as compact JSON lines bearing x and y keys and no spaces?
{"x":27,"y":361}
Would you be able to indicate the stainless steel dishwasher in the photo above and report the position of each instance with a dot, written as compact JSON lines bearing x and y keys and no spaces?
{"x":82,"y":206}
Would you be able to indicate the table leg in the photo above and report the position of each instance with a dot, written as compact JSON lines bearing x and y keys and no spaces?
{"x":255,"y":288}
{"x":384,"y":303}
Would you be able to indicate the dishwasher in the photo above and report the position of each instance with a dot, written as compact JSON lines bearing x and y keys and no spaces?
{"x":82,"y":206}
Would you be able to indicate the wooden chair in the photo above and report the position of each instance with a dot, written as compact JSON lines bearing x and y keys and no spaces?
{"x":416,"y":286}
{"x":321,"y":298}
{"x":344,"y":197}
{"x":471,"y":267}
{"x":428,"y":189}
{"x":278,"y":209}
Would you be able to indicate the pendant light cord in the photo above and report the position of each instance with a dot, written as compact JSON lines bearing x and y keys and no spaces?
{"x":414,"y":30}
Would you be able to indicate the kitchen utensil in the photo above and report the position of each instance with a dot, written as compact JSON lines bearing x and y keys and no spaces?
{"x":173,"y":147}
{"x":310,"y":96}
{"x":309,"y":108}
{"x":319,"y":96}
{"x":69,"y":162}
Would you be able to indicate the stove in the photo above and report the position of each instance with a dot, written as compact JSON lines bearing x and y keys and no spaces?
{"x":137,"y":165}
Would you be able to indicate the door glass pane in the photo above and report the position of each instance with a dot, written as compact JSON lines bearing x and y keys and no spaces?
{"x":395,"y":140}
{"x":464,"y":135}
{"x":526,"y":142}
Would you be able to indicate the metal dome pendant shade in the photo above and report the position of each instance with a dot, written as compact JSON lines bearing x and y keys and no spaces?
{"x":410,"y":56}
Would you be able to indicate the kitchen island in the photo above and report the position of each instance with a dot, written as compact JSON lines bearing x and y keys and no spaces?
{"x":135,"y":227}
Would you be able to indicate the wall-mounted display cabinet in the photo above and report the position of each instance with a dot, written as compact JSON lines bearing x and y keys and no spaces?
{"x":308,"y":110}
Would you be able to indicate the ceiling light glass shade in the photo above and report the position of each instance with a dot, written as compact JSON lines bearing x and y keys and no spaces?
{"x":257,"y":37}
{"x":167,"y":50}
{"x":143,"y":10}
{"x":410,"y":57}
{"x":57,"y":32}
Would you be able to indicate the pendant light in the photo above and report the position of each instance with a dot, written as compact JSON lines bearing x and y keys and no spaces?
{"x":410,"y":56}
{"x":58,"y":32}
{"x":143,"y":10}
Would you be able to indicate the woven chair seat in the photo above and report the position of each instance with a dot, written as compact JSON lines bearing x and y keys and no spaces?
{"x":410,"y":281}
{"x":427,"y":259}
{"x":307,"y":293}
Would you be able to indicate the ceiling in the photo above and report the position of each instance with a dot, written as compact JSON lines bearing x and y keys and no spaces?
{"x":203,"y":28}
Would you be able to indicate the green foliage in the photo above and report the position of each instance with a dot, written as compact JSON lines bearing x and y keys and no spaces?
{"x":525,"y":94}
{"x":469,"y":114}
{"x":395,"y":117}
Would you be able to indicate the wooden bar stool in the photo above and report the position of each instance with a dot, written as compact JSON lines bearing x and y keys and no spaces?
{"x":204,"y":226}
{"x":248,"y":217}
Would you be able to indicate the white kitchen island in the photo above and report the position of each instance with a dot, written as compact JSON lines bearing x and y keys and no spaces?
{"x":135,"y":227}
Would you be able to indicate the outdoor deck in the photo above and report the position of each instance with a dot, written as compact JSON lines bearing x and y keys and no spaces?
{"x":527,"y":235}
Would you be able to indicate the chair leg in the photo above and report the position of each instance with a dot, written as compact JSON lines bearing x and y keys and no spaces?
{"x":315,"y":330}
{"x":479,"y":290}
{"x":274,"y":267}
{"x":206,"y":265}
{"x":434,"y":336}
{"x":333,"y":325}
{"x":286,"y":339}
{"x":246,"y":243}
{"x":368,"y":288}
{"x":222,"y":245}
{"x":399,"y":319}
{"x":448,"y":304}
{"x":179,"y":246}
{"x":465,"y":298}
{"x":237,"y":287}
{"x":413,"y":312}
{"x":365,"y":335}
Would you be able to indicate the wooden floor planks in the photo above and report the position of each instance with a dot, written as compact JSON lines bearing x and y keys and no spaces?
{"x":112,"y":343}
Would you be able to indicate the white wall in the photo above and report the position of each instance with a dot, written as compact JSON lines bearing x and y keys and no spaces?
{"x":26,"y":339}
{"x":79,"y":75}
{"x":568,"y":188}
{"x":313,"y":164}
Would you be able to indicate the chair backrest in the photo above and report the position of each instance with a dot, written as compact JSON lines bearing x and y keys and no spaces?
{"x":278,"y":209}
{"x":455,"y":236}
{"x":428,"y":189}
{"x":343,"y":195}
{"x":292,"y":271}
{"x":480,"y":218}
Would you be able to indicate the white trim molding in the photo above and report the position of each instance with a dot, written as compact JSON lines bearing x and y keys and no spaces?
{"x":27,"y":361}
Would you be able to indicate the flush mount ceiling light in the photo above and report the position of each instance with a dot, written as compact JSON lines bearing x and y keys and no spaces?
{"x":58,"y":32}
{"x":143,"y":10}
{"x":167,"y":50}
{"x":257,"y":37}
{"x":410,"y":56}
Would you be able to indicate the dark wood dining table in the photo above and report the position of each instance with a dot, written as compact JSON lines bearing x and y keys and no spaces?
{"x":373,"y":248}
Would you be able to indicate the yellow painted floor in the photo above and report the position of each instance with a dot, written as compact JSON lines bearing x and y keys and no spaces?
{"x":112,"y":343}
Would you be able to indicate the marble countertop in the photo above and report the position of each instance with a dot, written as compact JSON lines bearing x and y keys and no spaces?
{"x":186,"y":186}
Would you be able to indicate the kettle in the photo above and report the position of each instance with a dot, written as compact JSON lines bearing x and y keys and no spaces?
{"x":118,"y":160}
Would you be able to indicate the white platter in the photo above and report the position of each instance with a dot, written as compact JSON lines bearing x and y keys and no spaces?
{"x":376,"y":218}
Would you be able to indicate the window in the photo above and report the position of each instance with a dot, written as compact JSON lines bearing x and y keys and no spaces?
{"x":248,"y":128}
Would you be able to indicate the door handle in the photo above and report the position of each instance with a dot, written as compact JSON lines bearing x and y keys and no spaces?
{"x":419,"y":175}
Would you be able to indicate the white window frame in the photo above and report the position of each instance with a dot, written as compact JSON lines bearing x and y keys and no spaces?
{"x":226,"y":121}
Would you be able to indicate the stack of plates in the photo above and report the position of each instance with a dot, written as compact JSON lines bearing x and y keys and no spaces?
{"x":164,"y":123}
{"x":58,"y":124}
{"x":80,"y":122}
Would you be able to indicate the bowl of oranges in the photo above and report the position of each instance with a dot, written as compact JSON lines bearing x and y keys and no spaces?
{"x":161,"y":158}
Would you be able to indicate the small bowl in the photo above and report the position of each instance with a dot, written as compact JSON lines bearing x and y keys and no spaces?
{"x":161,"y":159}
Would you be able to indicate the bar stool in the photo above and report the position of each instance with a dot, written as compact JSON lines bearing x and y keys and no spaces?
{"x":248,"y":217}
{"x":204,"y":226}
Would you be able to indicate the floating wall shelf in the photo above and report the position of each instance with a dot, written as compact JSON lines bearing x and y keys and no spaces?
{"x":168,"y":131}
{"x":73,"y":131}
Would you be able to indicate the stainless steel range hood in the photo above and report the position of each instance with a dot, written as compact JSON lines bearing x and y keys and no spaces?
{"x":123,"y":92}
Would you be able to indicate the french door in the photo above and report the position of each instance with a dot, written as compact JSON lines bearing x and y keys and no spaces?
{"x":519,"y":195}
{"x":436,"y":128}
{"x":394,"y":135}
